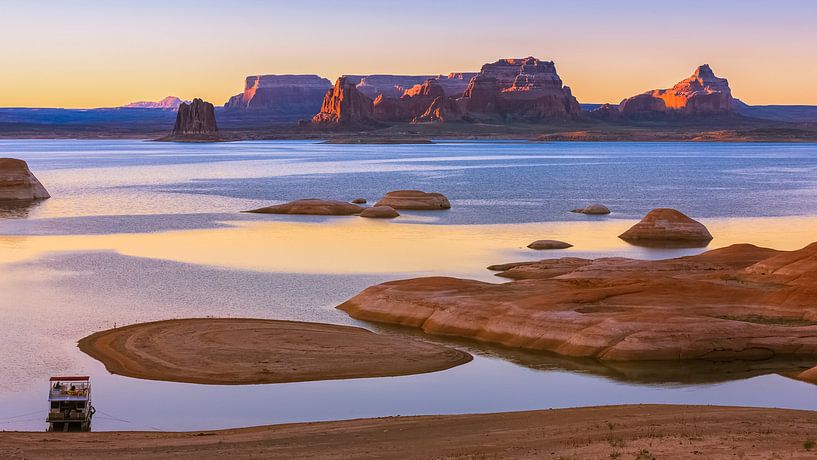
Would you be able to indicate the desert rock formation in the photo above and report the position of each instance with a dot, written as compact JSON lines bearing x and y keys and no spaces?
{"x":415,"y":200}
{"x":665,"y":224}
{"x":196,"y":118}
{"x":738,"y":302}
{"x":312,"y":206}
{"x":18,"y":183}
{"x":380,"y":212}
{"x":701,"y":94}
{"x":343,"y":105}
{"x":284,"y":94}
{"x":168,"y":103}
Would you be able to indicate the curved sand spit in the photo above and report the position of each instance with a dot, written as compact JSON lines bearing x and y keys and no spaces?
{"x":252,"y":351}
{"x":626,"y":432}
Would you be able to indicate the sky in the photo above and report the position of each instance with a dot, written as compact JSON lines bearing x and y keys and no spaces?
{"x":94,"y":53}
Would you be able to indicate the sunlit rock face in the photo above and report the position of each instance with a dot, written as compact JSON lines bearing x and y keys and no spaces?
{"x":196,"y":118}
{"x":284,"y":94}
{"x":17,"y":182}
{"x":387,"y":85}
{"x":453,"y":84}
{"x":426,"y":102}
{"x":701,"y":94}
{"x":168,"y":103}
{"x":344,"y":105}
{"x":525,"y":88}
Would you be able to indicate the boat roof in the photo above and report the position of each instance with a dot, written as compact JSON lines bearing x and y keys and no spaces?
{"x":70,"y":378}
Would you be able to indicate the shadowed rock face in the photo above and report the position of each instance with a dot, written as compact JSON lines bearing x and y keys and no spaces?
{"x":290,"y":94}
{"x":664,"y":224}
{"x":423,"y":103}
{"x":701,"y":94}
{"x":520,"y":88}
{"x":739,"y":302}
{"x":344,"y":105}
{"x":196,"y":118}
{"x":17,"y":182}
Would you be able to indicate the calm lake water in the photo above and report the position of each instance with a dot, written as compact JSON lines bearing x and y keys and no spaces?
{"x":139,"y":231}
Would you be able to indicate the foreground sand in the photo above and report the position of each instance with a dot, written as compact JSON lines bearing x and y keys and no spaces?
{"x":250,"y":351}
{"x":641,"y":432}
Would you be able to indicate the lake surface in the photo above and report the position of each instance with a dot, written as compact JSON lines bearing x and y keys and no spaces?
{"x":139,"y":231}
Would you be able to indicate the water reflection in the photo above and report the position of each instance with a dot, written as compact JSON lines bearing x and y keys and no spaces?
{"x":17,"y":209}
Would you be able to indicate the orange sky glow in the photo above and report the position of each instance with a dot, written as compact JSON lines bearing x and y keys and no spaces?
{"x":100,"y":54}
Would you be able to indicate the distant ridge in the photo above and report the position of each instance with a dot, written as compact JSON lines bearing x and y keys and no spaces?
{"x":168,"y":103}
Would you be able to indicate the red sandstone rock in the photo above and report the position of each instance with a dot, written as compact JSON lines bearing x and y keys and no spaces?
{"x":664,"y":224}
{"x":344,"y":105}
{"x":549,"y":244}
{"x":196,"y":118}
{"x":520,"y":88}
{"x":415,"y":200}
{"x":289,"y":94}
{"x":18,"y":183}
{"x":312,"y":206}
{"x":701,"y":94}
{"x":739,"y":302}
{"x":386,"y":85}
{"x":380,"y":212}
{"x":593,"y":209}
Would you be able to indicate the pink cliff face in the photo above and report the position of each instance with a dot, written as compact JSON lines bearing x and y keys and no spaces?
{"x":703,"y":93}
{"x":300,"y":94}
{"x":168,"y":103}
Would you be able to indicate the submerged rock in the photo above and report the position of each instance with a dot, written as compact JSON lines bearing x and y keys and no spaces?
{"x":549,"y":244}
{"x":665,"y":224}
{"x":18,"y":183}
{"x":415,"y":200}
{"x":594,"y":209}
{"x":359,"y":201}
{"x":380,"y":212}
{"x":312,"y":206}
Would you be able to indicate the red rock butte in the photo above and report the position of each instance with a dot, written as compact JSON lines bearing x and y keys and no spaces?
{"x":701,"y":94}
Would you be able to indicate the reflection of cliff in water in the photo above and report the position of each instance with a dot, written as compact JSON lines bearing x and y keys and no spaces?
{"x":17,"y":209}
{"x":681,"y":372}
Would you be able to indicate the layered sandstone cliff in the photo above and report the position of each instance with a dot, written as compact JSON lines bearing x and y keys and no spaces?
{"x":344,"y":105}
{"x":525,"y":88}
{"x":281,"y":94}
{"x":195,"y":119}
{"x":701,"y":94}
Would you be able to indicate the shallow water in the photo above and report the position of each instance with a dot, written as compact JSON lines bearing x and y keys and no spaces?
{"x":142,"y":231}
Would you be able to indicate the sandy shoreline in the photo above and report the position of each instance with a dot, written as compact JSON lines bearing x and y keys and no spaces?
{"x":255,"y":351}
{"x":632,"y":431}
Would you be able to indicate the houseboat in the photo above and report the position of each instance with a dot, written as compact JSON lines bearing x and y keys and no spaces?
{"x":69,"y":399}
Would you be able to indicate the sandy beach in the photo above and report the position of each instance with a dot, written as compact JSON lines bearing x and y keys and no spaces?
{"x":635,"y":431}
{"x":254,"y":351}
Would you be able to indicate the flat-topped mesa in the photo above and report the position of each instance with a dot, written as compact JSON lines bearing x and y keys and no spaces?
{"x":702,"y":94}
{"x":195,"y":119}
{"x":344,"y":105}
{"x":281,"y":94}
{"x":520,"y":88}
{"x":18,"y":183}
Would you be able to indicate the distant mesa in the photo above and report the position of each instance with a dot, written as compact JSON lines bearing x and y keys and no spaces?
{"x":415,"y":200}
{"x":701,"y":94}
{"x":527,"y":88}
{"x":168,"y":103}
{"x":195,"y":120}
{"x":281,"y":94}
{"x":667,"y":225}
{"x":17,"y":182}
{"x":313,"y":207}
{"x":345,"y":106}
